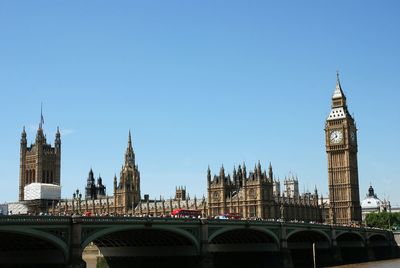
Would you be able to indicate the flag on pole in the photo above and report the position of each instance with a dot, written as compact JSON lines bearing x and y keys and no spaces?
{"x":41,"y":115}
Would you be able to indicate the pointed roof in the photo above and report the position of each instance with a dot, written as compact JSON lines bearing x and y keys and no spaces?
{"x":129,"y":154}
{"x":339,"y":105}
{"x":129,"y":139}
{"x":129,"y":148}
{"x":338,"y":93}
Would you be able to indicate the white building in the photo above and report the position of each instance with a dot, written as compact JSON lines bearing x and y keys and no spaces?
{"x":372,"y":203}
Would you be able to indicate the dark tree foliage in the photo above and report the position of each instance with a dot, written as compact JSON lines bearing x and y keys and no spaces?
{"x":384,"y":220}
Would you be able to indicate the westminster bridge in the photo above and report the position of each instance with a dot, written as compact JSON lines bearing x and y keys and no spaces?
{"x":53,"y":241}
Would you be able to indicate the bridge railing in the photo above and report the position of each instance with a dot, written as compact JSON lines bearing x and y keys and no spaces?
{"x":27,"y":219}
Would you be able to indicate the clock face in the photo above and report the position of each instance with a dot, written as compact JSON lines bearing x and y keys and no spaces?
{"x":353,"y":136}
{"x":336,"y":136}
{"x":216,"y":196}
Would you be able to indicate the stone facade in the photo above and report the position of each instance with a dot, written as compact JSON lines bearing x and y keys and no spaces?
{"x":40,"y":162}
{"x":127,"y":197}
{"x":127,"y":190}
{"x":341,"y":149}
{"x":252,"y":196}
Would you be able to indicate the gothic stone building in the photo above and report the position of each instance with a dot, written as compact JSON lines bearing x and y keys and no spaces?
{"x":127,"y":197}
{"x":40,"y":162}
{"x":252,"y":196}
{"x":127,"y":191}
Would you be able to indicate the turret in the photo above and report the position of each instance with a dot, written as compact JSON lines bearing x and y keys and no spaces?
{"x":23,"y":137}
{"x":90,"y":186}
{"x":40,"y":138}
{"x":235,"y":176}
{"x":270,"y":173}
{"x":115,"y":183}
{"x":57,"y":141}
{"x":209,"y":175}
{"x":23,"y":174}
{"x":259,"y":170}
{"x":222,"y":174}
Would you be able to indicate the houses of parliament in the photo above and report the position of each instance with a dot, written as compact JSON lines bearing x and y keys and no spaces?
{"x":252,"y":193}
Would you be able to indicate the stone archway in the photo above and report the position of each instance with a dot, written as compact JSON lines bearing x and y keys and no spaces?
{"x":352,"y":247}
{"x":25,"y":249}
{"x":240,"y":246}
{"x":147,"y":247}
{"x":300,"y":244}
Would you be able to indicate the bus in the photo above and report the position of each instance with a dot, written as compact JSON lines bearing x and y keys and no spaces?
{"x":186,"y":213}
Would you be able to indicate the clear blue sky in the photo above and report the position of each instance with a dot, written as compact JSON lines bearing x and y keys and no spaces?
{"x":199,"y":83}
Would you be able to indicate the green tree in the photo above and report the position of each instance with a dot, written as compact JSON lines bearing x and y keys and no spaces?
{"x":384,"y":220}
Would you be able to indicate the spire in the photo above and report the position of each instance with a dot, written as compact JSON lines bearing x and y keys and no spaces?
{"x":129,"y":154}
{"x":338,"y":93}
{"x":23,"y":135}
{"x":58,"y":138}
{"x":222,"y":171}
{"x":115,"y":181}
{"x":129,"y":139}
{"x":270,"y":173}
{"x":90,"y":177}
{"x":338,"y":98}
{"x":244,"y":170}
{"x":208,"y":174}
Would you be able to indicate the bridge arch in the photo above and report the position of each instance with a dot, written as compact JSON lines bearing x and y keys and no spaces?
{"x":111,"y":230}
{"x":300,"y":244}
{"x":350,"y":236}
{"x":235,"y":246}
{"x":256,"y":229}
{"x":31,"y":246}
{"x":377,"y":236}
{"x":318,"y":234}
{"x":140,"y":246}
{"x":38,"y":234}
{"x":351,"y":246}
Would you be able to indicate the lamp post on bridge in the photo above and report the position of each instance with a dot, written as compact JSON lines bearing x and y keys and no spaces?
{"x":77,"y":196}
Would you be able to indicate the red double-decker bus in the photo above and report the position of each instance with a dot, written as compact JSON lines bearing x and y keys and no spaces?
{"x":186,"y":213}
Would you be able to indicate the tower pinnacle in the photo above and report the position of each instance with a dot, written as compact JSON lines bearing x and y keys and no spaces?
{"x":338,"y":93}
{"x":129,"y":154}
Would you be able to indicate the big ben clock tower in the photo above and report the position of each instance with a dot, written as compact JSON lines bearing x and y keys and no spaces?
{"x":341,"y":149}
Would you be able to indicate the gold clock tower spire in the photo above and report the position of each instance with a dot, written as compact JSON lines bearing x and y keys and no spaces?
{"x":341,"y":149}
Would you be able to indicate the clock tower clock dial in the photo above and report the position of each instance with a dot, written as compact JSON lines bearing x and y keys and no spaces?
{"x":341,"y":149}
{"x":336,"y":136}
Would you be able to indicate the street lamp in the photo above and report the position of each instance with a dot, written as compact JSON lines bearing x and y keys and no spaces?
{"x":77,"y":196}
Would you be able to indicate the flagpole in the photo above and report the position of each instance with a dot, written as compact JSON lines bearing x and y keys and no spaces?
{"x":41,"y":115}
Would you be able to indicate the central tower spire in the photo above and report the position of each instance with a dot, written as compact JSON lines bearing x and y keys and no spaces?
{"x":338,"y":98}
{"x":129,"y":154}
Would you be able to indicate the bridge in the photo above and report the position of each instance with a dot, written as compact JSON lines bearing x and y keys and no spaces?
{"x":53,"y":241}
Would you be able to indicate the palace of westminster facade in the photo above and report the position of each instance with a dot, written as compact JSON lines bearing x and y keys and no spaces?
{"x":253,"y":194}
